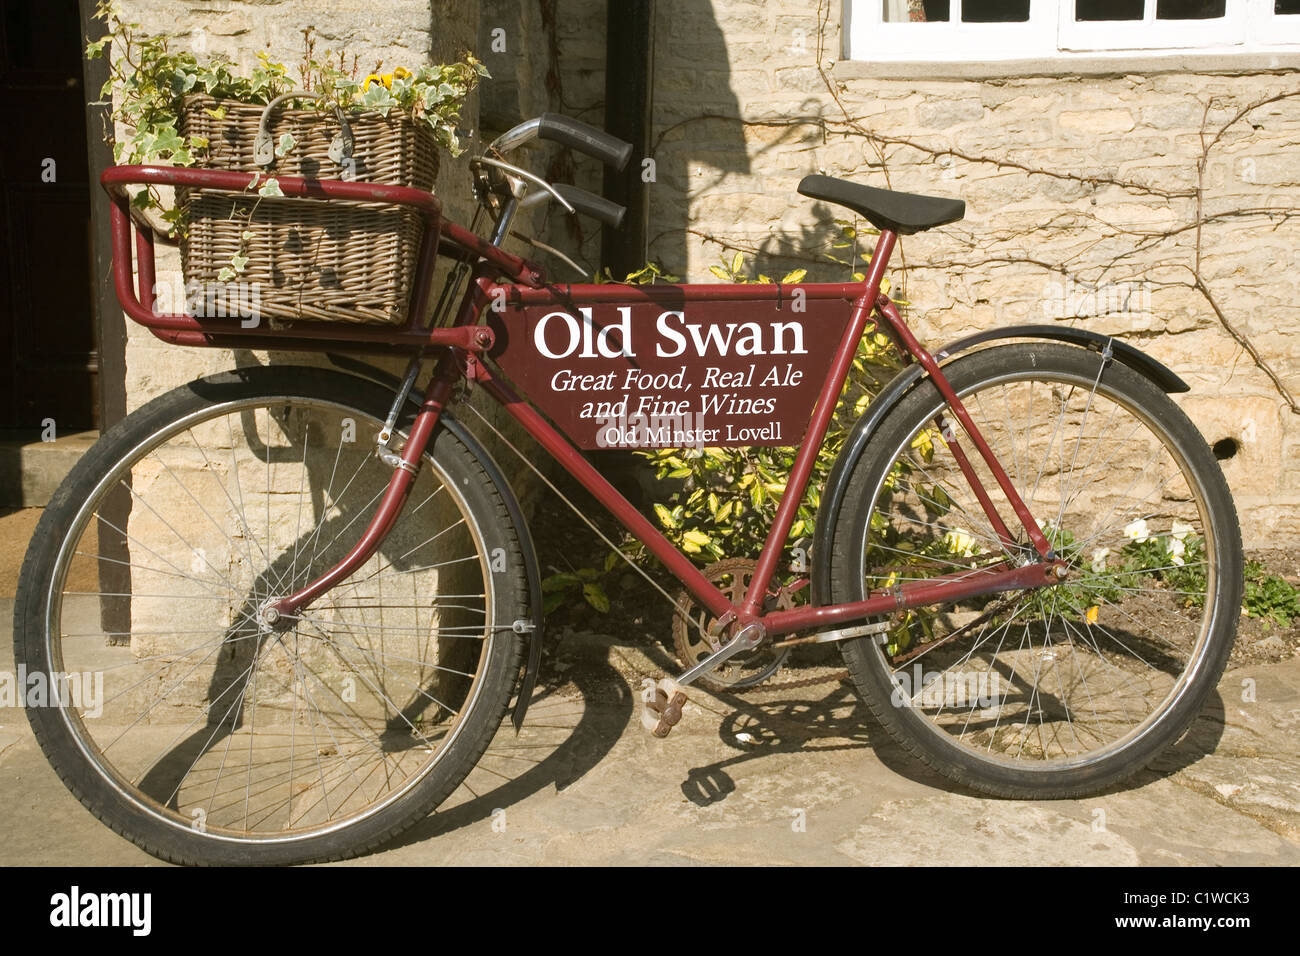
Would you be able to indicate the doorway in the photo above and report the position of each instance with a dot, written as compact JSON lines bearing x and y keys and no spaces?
{"x":48,"y":350}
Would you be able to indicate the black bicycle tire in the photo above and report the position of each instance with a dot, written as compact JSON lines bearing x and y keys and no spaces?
{"x":862,"y":655}
{"x":501,"y":668}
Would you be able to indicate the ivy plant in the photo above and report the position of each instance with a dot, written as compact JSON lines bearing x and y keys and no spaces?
{"x":151,"y":74}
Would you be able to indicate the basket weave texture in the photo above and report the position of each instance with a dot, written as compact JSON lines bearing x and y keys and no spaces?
{"x":331,"y":261}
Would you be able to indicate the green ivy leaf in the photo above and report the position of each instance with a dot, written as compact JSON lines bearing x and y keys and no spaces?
{"x":559,"y":582}
{"x":167,"y":140}
{"x":377,"y":97}
{"x":596,"y":596}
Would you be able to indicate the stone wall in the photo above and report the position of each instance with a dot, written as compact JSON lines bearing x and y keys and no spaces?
{"x":1081,"y":189}
{"x":1081,"y":194}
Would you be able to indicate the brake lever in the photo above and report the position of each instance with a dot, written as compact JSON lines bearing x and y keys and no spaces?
{"x":538,"y":244}
{"x":522,"y":174}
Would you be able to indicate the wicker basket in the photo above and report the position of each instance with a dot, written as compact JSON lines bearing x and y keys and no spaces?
{"x":332,"y":261}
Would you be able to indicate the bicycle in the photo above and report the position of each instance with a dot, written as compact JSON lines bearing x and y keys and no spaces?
{"x":311,"y":594}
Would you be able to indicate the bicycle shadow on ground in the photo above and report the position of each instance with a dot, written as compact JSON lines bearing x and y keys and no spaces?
{"x":564,"y":736}
{"x":839,"y":720}
{"x":1200,"y":740}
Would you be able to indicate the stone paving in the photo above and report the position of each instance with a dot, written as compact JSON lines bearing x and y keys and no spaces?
{"x":799,"y":776}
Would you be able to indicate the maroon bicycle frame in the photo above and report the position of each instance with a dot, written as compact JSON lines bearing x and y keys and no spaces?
{"x":462,"y":346}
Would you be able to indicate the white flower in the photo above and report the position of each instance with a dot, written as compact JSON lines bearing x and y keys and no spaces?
{"x":1180,"y":531}
{"x":1176,"y":549}
{"x":1137,"y":530}
{"x":1099,"y":556}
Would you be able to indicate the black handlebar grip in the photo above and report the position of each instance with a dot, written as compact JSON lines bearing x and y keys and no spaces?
{"x":589,"y":204}
{"x":610,"y":150}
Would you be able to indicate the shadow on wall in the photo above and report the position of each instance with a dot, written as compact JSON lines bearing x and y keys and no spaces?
{"x":698,"y":142}
{"x":704,"y":158}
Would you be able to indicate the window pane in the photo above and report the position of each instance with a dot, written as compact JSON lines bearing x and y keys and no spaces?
{"x":1190,"y":9}
{"x":932,"y":10}
{"x":915,"y":11}
{"x":1086,"y":10}
{"x":995,"y":11}
{"x":1286,"y":6}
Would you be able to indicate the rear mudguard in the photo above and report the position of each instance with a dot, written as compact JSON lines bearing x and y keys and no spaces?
{"x":532,"y":569}
{"x":832,"y":497}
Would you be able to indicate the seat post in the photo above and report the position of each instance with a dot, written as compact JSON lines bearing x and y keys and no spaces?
{"x":874,"y":276}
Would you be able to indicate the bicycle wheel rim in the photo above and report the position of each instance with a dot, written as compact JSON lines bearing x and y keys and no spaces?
{"x":54,"y":606}
{"x":906,"y":693}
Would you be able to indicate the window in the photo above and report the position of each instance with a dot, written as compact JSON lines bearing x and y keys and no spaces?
{"x":938,"y":30}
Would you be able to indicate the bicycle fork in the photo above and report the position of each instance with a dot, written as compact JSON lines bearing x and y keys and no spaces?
{"x":405,"y":465}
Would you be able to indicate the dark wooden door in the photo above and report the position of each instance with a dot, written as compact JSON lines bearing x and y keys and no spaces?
{"x":47,"y":328}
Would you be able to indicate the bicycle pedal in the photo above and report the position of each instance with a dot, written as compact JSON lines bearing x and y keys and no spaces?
{"x":662,"y":704}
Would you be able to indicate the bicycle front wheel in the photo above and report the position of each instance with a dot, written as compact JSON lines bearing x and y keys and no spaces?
{"x":1062,"y":690}
{"x":196,"y":728}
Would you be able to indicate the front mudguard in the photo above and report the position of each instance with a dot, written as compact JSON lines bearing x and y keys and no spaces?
{"x":832,"y":497}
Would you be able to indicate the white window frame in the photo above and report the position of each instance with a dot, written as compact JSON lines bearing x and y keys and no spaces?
{"x":1248,"y":26}
{"x":1149,"y":33}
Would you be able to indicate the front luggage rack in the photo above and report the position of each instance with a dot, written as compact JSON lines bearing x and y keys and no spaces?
{"x":137,"y":298}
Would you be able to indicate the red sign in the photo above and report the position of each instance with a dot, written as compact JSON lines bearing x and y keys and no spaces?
{"x":672,"y":366}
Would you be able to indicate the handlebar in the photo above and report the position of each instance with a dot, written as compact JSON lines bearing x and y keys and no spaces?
{"x":570,"y":132}
{"x":610,"y":150}
{"x":597,"y":207}
{"x":588,"y":204}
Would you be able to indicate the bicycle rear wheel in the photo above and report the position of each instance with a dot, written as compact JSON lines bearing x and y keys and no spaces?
{"x":183,"y":719}
{"x":1058,"y":691}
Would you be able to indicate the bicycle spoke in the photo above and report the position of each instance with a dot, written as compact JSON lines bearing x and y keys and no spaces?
{"x":258,"y":732}
{"x":1079,"y":666}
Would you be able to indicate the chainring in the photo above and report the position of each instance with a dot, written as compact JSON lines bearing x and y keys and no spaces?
{"x":691,"y":624}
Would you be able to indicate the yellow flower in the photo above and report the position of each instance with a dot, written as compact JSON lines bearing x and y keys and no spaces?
{"x":384,"y":78}
{"x":960,"y":542}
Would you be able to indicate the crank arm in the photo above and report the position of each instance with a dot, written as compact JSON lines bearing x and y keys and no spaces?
{"x":746,"y":639}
